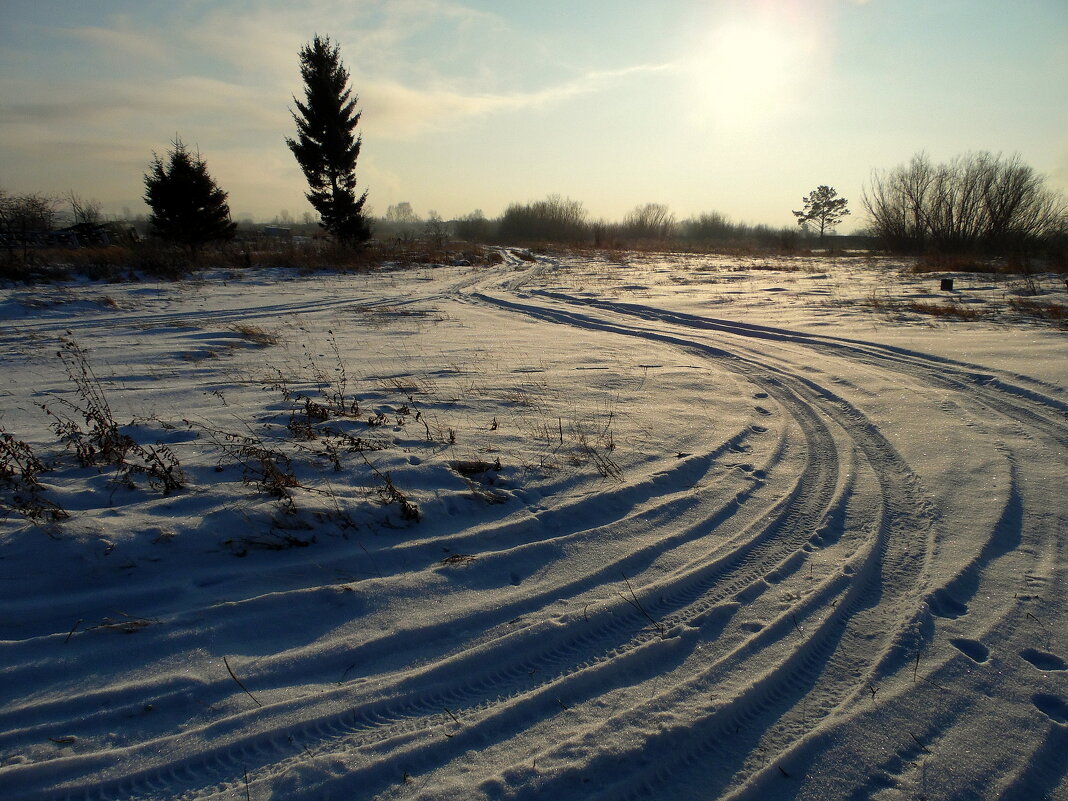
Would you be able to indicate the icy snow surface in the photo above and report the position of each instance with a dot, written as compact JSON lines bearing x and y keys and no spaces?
{"x":688,"y":528}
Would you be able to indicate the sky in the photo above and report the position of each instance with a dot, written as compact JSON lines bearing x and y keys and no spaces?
{"x":735,"y":106}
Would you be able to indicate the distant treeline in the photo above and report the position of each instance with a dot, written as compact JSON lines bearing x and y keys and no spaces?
{"x":976,"y":204}
{"x":563,"y":221}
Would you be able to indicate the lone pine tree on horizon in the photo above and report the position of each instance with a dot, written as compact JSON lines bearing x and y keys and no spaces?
{"x":326,"y":147}
{"x":823,"y":209}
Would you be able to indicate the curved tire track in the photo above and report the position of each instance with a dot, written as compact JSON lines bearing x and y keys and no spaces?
{"x":856,"y":627}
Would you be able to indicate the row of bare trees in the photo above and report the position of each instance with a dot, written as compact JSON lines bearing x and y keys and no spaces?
{"x":555,"y":219}
{"x":977,"y":201}
{"x":563,"y":220}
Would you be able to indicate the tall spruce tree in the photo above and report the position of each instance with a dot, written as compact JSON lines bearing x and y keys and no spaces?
{"x":326,"y":147}
{"x":188,"y":207}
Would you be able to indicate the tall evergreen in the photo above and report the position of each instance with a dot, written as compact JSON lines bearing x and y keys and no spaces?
{"x":326,"y":147}
{"x":188,"y":207}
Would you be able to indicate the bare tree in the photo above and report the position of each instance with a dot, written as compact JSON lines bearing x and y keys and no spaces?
{"x":473,"y":227}
{"x":436,"y":229}
{"x":24,"y":219}
{"x":555,"y":219}
{"x":86,"y":212}
{"x":25,"y":213}
{"x":650,"y":221}
{"x":402,"y":213}
{"x":976,"y":200}
{"x":712,"y":226}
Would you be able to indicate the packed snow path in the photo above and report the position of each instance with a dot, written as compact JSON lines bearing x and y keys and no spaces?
{"x":774,"y":553}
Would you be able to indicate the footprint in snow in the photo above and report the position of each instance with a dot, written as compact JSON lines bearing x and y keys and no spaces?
{"x":1052,"y":706}
{"x":1042,"y":660}
{"x":943,"y":604}
{"x":973,"y":649}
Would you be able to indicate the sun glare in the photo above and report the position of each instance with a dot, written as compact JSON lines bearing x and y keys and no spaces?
{"x":748,"y":72}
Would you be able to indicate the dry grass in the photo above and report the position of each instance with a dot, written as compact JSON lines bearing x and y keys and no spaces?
{"x":160,"y":260}
{"x":376,"y":255}
{"x":1056,"y":313}
{"x":945,"y":311}
{"x":792,"y":267}
{"x":959,"y":263}
{"x":953,"y":311}
{"x":255,"y":334}
{"x":950,"y":263}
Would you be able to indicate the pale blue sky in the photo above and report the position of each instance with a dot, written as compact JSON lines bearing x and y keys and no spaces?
{"x":740,"y":107}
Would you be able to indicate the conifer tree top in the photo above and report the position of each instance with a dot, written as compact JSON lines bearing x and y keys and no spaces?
{"x":326,"y":146}
{"x":188,"y":207}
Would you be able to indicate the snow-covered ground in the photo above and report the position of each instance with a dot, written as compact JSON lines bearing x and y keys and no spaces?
{"x":655,"y":526}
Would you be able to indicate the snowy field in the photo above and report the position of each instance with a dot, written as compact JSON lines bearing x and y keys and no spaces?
{"x":656,"y":526}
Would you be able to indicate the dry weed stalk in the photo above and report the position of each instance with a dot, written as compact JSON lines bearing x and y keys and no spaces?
{"x":19,"y":469}
{"x":102,"y":442}
{"x":389,"y":493}
{"x":332,"y":389}
{"x":269,"y":468}
{"x":1056,"y":313}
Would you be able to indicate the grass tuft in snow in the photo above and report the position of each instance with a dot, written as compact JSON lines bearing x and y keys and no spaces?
{"x":255,"y":334}
{"x":1056,"y":313}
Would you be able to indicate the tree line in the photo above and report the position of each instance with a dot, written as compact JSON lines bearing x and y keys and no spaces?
{"x":978,"y":201}
{"x":563,"y":220}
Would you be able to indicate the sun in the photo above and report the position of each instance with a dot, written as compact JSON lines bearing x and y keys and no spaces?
{"x":749,"y":71}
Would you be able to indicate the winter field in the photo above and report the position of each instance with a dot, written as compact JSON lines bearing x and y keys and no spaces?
{"x":648,"y":526}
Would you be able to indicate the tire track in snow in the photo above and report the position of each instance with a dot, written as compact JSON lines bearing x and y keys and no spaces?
{"x":571,"y":656}
{"x":748,"y":563}
{"x":1020,"y":398}
{"x":884,"y":575}
{"x":821,"y":653}
{"x":791,"y":523}
{"x":886,"y":572}
{"x":1045,"y":418}
{"x":1032,"y":406}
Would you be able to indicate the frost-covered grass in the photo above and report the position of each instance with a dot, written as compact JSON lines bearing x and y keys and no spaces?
{"x":591,"y":526}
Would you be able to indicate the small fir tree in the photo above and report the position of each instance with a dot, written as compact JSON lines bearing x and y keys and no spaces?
{"x":823,"y":210}
{"x":326,"y":146}
{"x":188,"y":207}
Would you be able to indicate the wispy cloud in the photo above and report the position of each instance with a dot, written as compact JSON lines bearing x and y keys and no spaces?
{"x":114,"y":104}
{"x":403,"y":92}
{"x":395,"y":109}
{"x":120,"y":40}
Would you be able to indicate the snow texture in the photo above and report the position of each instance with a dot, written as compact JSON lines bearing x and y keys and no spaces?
{"x":657,"y":526}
